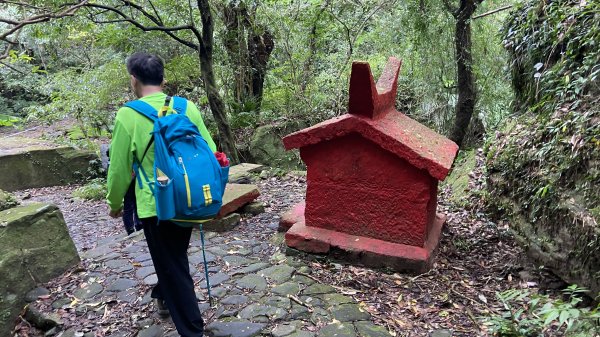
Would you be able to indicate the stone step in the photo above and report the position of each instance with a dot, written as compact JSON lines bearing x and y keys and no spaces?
{"x":237,"y":196}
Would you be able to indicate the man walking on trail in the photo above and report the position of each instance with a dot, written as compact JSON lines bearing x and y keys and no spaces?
{"x":167,"y":242}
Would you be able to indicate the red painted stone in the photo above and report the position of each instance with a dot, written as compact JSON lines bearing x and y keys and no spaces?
{"x":367,"y":251}
{"x":372,"y":179}
{"x":294,"y":215}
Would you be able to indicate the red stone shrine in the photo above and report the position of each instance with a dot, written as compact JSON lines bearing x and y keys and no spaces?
{"x":372,"y":180}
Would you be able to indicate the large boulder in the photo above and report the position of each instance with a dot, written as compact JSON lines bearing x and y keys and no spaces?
{"x":29,"y":163}
{"x":35,"y":247}
{"x":266,"y":147}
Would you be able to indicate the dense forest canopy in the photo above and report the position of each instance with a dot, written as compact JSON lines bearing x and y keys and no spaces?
{"x":273,"y":61}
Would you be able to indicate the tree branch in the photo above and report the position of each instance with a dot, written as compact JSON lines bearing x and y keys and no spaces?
{"x":25,"y":5}
{"x":70,"y":11}
{"x":156,"y":13}
{"x":492,"y":12}
{"x":167,"y":30}
{"x":155,"y":19}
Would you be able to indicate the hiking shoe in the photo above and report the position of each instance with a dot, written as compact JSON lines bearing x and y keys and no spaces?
{"x":161,"y":307}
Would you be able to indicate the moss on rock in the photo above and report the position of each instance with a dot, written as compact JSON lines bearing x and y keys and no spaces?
{"x":29,"y":163}
{"x":458,"y":180}
{"x":35,"y":247}
{"x":267,"y":148}
{"x":7,"y":200}
{"x":544,"y":165}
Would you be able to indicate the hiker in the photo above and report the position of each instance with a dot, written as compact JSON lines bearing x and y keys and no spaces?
{"x":130,"y":219}
{"x":168,"y":242}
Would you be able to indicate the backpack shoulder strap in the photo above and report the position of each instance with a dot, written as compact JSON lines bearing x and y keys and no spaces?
{"x":149,"y":112}
{"x":144,"y":109}
{"x":179,"y":104}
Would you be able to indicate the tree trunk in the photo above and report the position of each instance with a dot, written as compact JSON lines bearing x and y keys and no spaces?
{"x":249,"y":47}
{"x":260,"y":47}
{"x":312,"y":48}
{"x":467,"y":91}
{"x":237,"y":50}
{"x":215,"y":100}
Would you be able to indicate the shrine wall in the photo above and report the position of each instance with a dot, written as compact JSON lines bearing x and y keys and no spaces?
{"x":356,"y":187}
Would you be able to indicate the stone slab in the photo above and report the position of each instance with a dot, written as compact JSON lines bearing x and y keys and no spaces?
{"x":241,"y":171}
{"x":349,"y":312}
{"x":237,"y":196}
{"x":292,"y":216}
{"x":254,"y":208}
{"x":368,"y":329}
{"x":30,"y":163}
{"x":223,"y":224}
{"x":18,"y":145}
{"x":337,"y":330}
{"x":367,"y":251}
{"x":234,"y":329}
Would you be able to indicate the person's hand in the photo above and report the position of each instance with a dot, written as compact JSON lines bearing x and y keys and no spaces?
{"x":116,"y":214}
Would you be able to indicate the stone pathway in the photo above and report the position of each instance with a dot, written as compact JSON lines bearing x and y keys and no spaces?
{"x":258,"y":290}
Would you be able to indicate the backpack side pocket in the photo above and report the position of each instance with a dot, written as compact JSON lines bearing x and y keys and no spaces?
{"x":165,"y":200}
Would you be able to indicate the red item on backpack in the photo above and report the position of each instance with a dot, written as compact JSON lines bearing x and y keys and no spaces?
{"x":222,"y":159}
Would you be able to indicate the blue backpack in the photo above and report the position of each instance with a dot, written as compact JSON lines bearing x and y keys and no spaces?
{"x":189,"y":182}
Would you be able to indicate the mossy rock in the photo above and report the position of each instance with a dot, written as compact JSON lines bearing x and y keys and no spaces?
{"x":31,"y":163}
{"x":35,"y":246}
{"x":7,"y":200}
{"x":553,"y":219}
{"x":543,"y":164}
{"x":267,"y":148}
{"x":458,"y":180}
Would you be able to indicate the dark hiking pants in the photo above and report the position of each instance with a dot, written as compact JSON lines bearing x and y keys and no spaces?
{"x":130,"y":218}
{"x":168,"y":245}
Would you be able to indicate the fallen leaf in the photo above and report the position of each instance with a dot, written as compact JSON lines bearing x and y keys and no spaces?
{"x":482,"y":298}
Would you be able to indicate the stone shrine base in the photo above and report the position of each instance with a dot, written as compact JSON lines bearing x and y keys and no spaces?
{"x":367,"y":251}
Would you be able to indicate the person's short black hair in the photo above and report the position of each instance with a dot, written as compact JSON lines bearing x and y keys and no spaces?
{"x":146,"y":68}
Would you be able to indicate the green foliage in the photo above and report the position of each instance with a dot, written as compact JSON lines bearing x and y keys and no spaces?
{"x":524,"y":314}
{"x":6,"y":120}
{"x":90,"y":96}
{"x":307,"y":76}
{"x":557,"y":61}
{"x":7,"y":200}
{"x":93,"y":190}
{"x":19,"y":87}
{"x":560,"y":139}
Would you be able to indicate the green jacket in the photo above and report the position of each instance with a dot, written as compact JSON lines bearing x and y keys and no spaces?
{"x":130,"y":138}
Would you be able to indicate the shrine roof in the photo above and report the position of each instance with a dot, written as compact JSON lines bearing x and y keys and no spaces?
{"x":375,"y":118}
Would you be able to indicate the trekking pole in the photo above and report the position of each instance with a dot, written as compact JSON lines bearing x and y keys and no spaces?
{"x":210,"y":301}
